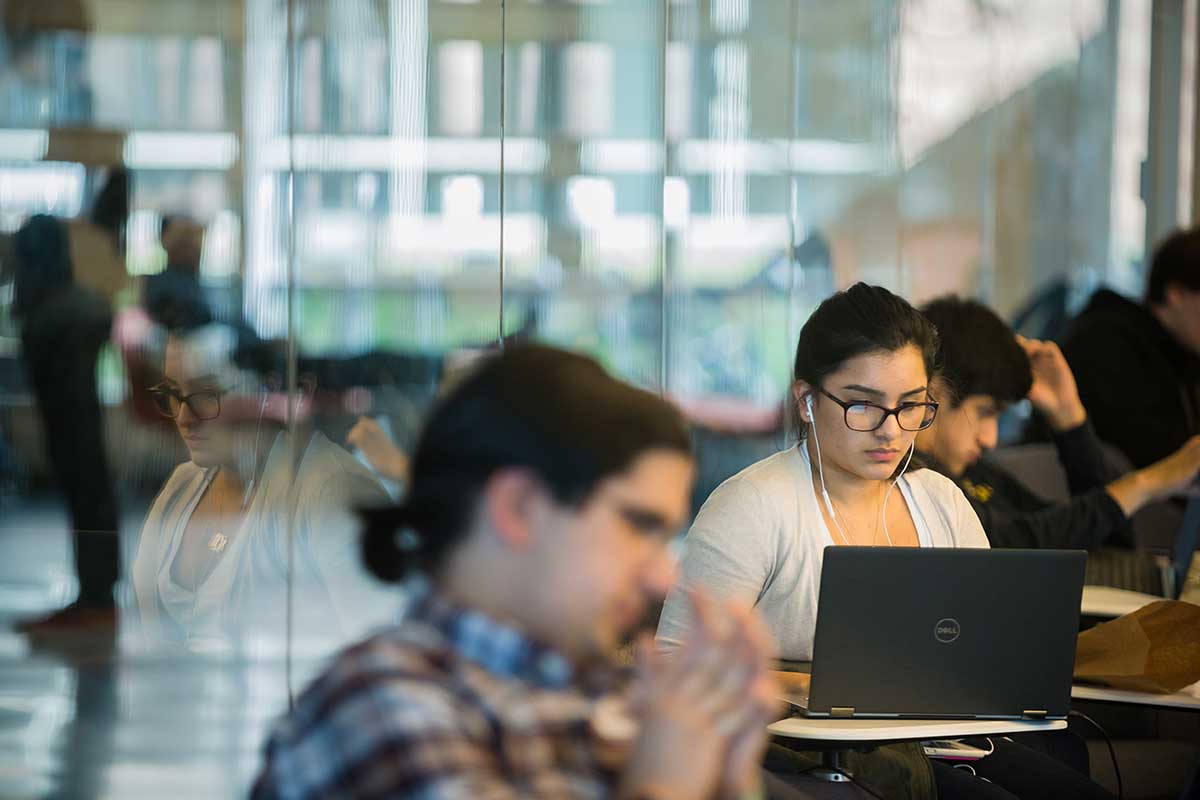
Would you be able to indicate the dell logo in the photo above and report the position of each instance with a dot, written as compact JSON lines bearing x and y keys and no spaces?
{"x":947,"y":630}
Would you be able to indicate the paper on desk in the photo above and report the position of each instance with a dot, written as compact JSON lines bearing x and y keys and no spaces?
{"x":1154,"y":649}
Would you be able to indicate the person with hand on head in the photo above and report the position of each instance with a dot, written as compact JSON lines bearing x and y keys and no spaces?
{"x":535,"y":531}
{"x":984,"y":368}
{"x":862,"y":394}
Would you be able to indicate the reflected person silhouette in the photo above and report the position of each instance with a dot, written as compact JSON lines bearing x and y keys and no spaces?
{"x":214,"y":556}
{"x":65,"y":322}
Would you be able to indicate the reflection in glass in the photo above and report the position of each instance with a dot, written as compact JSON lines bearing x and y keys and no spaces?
{"x":214,"y":556}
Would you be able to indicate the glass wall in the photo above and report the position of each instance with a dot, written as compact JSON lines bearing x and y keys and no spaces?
{"x":270,"y":230}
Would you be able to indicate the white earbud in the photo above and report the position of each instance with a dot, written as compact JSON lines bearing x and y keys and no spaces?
{"x":903,"y":469}
{"x":812,"y":420}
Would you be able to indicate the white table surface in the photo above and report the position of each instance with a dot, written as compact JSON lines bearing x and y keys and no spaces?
{"x":1105,"y":601}
{"x":897,"y":730}
{"x":1188,"y":698}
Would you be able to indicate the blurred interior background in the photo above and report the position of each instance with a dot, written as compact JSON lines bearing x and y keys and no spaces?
{"x":373,"y":188}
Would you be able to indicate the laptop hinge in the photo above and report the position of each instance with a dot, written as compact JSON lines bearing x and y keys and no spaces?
{"x":841,"y":711}
{"x":1033,"y":713}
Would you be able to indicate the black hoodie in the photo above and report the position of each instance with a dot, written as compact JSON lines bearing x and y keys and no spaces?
{"x":1140,"y":386}
{"x":1014,"y":516}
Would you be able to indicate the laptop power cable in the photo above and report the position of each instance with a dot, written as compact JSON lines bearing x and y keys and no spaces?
{"x":1111,"y":751}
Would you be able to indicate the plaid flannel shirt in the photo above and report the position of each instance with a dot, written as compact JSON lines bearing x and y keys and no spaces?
{"x":449,"y":704}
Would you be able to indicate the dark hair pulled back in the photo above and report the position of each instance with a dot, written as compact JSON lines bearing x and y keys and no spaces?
{"x":857,"y":321}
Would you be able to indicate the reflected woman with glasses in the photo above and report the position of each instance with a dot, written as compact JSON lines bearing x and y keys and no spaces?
{"x":248,"y":510}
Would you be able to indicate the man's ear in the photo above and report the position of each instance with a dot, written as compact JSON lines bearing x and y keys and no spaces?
{"x":512,"y":499}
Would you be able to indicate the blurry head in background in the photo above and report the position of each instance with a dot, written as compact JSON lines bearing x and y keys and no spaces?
{"x":545,"y":492}
{"x":110,"y":210}
{"x":27,"y":22}
{"x":864,"y":348}
{"x":1173,"y":287}
{"x":183,"y":240}
{"x":42,"y":256}
{"x":981,"y":371}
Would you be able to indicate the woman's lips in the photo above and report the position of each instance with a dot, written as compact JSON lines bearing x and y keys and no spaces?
{"x":882,"y":455}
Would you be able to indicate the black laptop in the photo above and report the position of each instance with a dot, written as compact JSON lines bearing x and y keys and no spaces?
{"x":945,"y":633}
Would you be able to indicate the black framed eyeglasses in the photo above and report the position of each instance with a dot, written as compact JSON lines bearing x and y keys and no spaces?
{"x":205,"y":404}
{"x":866,"y":417}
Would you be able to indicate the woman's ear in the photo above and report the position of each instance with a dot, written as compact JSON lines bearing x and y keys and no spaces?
{"x":801,"y":390}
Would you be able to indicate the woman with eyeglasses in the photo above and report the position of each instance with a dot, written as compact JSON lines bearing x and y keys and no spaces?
{"x":253,"y":507}
{"x":860,"y":395}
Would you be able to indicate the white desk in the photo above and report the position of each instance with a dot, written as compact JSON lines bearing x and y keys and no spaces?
{"x":852,"y":731}
{"x":835,"y":737}
{"x":1105,"y":601}
{"x":1187,"y":699}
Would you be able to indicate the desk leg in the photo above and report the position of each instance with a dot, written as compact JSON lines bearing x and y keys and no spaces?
{"x":831,"y":769}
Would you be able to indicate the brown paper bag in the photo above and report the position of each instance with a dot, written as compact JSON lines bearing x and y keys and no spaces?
{"x":1154,"y":649}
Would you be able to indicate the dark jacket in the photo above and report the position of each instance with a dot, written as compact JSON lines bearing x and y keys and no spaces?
{"x":1014,"y":516}
{"x":1140,"y":385}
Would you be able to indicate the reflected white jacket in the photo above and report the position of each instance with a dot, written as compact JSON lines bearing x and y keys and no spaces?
{"x":244,"y":597}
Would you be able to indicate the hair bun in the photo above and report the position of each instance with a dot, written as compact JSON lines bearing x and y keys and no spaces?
{"x":390,"y":546}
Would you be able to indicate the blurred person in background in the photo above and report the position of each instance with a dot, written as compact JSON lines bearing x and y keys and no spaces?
{"x":212,"y":563}
{"x":983,"y":369}
{"x":1138,"y":364}
{"x":174,"y":297}
{"x":66,"y":275}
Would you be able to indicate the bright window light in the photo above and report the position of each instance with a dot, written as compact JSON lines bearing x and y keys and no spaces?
{"x":23,"y":145}
{"x":222,"y":247}
{"x":460,"y":72}
{"x":47,"y":187}
{"x":175,"y":150}
{"x":587,"y":88}
{"x":629,"y":156}
{"x":462,"y":196}
{"x":366,"y":189}
{"x":385,"y":153}
{"x":676,"y":202}
{"x":593,"y":201}
{"x":145,"y":253}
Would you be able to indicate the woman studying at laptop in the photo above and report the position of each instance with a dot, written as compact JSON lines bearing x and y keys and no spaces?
{"x":863,"y":365}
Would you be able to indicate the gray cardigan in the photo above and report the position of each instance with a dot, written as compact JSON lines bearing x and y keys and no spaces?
{"x":761,"y":537}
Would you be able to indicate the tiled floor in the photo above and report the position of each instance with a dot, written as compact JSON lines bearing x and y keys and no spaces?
{"x":88,"y":717}
{"x":92,"y":718}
